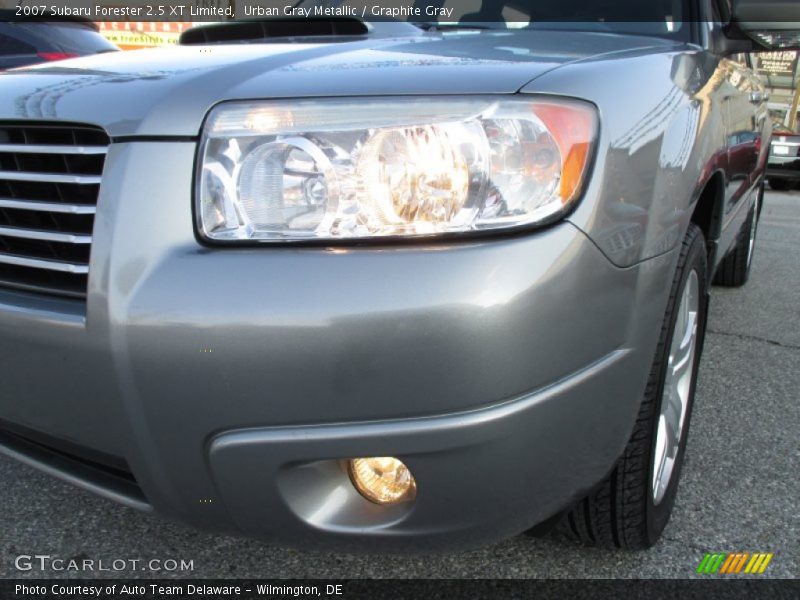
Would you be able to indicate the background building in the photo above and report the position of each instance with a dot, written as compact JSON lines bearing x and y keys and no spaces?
{"x":779,"y":70}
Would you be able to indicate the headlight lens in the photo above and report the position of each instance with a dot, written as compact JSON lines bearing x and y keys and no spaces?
{"x":348,"y":170}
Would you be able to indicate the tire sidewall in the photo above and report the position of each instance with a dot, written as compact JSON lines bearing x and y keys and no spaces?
{"x":658,"y":515}
{"x":780,"y":185}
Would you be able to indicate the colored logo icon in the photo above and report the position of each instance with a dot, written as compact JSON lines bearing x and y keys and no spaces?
{"x":732,"y":563}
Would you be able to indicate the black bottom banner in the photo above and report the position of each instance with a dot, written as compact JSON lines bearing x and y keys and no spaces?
{"x":428,"y":589}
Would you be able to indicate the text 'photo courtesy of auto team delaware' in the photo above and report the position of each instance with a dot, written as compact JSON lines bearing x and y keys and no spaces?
{"x":408,"y":281}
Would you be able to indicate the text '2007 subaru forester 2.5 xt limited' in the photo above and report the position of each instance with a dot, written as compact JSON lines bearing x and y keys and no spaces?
{"x":383,"y":286}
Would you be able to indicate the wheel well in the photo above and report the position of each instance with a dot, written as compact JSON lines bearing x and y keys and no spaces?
{"x":708,"y":211}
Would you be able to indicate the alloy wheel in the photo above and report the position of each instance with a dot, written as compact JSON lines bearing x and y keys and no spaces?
{"x":677,"y":387}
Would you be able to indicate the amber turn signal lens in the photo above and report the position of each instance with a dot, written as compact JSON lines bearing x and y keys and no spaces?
{"x":574,"y":128}
{"x":382,"y":479}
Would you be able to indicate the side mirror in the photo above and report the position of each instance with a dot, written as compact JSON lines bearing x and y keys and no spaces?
{"x":771,"y":24}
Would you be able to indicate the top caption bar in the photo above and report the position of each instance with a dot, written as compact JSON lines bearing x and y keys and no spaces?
{"x":523,"y":12}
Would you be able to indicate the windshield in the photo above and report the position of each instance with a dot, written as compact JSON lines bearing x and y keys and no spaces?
{"x":646,"y":17}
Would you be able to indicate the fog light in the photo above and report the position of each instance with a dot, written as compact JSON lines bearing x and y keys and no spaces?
{"x":382,"y":479}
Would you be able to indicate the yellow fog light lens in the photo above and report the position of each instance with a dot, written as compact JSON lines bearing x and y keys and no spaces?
{"x":382,"y":479}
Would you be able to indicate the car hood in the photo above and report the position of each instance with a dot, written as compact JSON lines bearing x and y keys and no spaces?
{"x":168,"y":92}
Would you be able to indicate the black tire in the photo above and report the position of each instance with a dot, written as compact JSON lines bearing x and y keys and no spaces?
{"x":734,"y":271}
{"x":779,"y":185}
{"x":621,"y":512}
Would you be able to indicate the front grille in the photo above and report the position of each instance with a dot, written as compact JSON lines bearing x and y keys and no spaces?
{"x":49,"y":181}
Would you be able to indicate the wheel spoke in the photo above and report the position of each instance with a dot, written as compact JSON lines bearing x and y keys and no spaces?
{"x":683,"y":354}
{"x":673,"y":437}
{"x":660,"y":454}
{"x":677,"y":386}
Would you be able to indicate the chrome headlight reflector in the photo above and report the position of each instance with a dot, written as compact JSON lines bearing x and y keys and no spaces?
{"x":347,"y":169}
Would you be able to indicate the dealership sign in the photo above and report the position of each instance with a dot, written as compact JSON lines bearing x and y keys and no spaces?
{"x":131,"y":35}
{"x":782,"y":63}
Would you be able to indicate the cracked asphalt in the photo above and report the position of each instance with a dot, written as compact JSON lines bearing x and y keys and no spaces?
{"x":739,"y":490}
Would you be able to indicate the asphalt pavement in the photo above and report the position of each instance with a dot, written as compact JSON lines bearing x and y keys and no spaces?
{"x":739,"y":490}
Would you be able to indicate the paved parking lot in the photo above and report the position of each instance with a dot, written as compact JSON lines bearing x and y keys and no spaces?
{"x":739,"y":490}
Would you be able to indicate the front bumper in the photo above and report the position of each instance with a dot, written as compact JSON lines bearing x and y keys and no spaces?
{"x":506,"y":373}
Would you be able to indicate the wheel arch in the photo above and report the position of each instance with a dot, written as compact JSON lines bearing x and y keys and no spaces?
{"x":707,"y":215}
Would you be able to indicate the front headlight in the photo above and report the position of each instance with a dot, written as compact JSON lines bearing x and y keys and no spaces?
{"x":301,"y":170}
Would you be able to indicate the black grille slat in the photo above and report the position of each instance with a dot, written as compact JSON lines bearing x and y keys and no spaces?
{"x":47,"y":221}
{"x":71,"y":164}
{"x":71,"y":253}
{"x":41,"y":209}
{"x":54,"y":134}
{"x":68,"y":193}
{"x":44,"y":281}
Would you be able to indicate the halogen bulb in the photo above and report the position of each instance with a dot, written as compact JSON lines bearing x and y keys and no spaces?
{"x":382,"y":479}
{"x":415,"y":175}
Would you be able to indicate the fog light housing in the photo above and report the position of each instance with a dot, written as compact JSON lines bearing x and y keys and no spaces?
{"x":382,"y":479}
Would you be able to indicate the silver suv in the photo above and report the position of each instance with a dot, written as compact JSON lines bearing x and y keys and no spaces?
{"x":384,"y":285}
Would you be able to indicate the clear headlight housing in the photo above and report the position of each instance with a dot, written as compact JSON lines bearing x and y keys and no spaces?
{"x":328,"y":170}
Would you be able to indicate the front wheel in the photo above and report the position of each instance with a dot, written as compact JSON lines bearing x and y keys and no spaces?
{"x":630,"y":509}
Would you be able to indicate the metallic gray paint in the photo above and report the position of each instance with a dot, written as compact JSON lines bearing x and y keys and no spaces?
{"x":666,"y":120}
{"x":243,"y":375}
{"x":169,"y":92}
{"x":476,"y":470}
